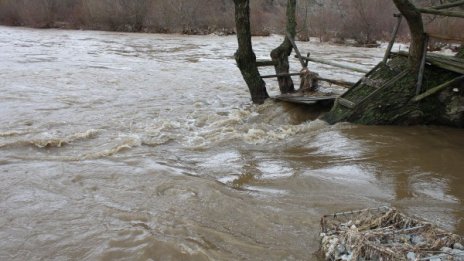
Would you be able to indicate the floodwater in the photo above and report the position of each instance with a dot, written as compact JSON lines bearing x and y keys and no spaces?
{"x":118,"y":146}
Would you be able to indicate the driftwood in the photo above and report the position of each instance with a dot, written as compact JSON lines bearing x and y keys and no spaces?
{"x":385,"y":234}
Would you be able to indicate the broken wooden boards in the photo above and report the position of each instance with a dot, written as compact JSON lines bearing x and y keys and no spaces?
{"x":449,"y":63}
{"x":387,"y":95}
{"x":306,"y":99}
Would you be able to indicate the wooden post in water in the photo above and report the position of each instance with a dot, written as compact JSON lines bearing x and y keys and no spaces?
{"x":306,"y":62}
{"x":309,"y":80}
{"x":420,"y":75}
{"x":392,"y":41}
{"x":297,"y":51}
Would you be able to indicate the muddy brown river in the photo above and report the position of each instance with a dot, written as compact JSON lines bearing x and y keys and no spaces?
{"x":118,"y":146}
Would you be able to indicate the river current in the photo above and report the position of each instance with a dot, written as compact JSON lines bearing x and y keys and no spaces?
{"x":117,"y":146}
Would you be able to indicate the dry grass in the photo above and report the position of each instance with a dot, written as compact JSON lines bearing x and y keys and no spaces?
{"x":332,"y":20}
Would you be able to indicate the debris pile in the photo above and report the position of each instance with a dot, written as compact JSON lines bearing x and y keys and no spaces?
{"x":385,"y":234}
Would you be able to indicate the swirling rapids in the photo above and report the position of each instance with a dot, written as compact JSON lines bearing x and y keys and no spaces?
{"x":146,"y":147}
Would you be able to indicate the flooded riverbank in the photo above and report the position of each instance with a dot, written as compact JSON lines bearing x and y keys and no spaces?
{"x":138,"y":146}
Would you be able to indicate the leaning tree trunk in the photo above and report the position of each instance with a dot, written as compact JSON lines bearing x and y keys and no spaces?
{"x":245,"y":57}
{"x":280,"y":54}
{"x":416,"y":26}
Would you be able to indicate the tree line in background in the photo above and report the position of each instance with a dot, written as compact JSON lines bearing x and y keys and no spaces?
{"x":365,"y":21}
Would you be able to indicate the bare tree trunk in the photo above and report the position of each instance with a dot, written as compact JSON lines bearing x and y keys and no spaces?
{"x":245,"y":57}
{"x":416,"y":26}
{"x":280,"y":54}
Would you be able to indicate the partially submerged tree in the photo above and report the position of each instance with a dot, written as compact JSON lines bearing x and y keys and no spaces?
{"x":245,"y":57}
{"x":280,"y":54}
{"x":416,"y":26}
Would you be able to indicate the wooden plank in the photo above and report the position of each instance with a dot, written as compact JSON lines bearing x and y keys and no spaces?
{"x":337,"y":82}
{"x":359,"y":82}
{"x":449,"y":5}
{"x":420,"y":75}
{"x":442,"y":13}
{"x":450,"y":63}
{"x":392,"y":41}
{"x":317,"y":60}
{"x":372,"y":83}
{"x":296,"y":51}
{"x":304,"y":99}
{"x":385,"y":85}
{"x":446,"y":65}
{"x":332,"y":81}
{"x":459,"y":61}
{"x":346,"y":103}
{"x":456,"y":61}
{"x":302,"y":102}
{"x":292,"y":100}
{"x":306,"y":61}
{"x":264,"y":63}
{"x":437,"y":88}
{"x":316,"y":98}
{"x":279,"y":75}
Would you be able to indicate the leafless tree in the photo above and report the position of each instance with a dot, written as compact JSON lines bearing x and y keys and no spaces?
{"x":245,"y":57}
